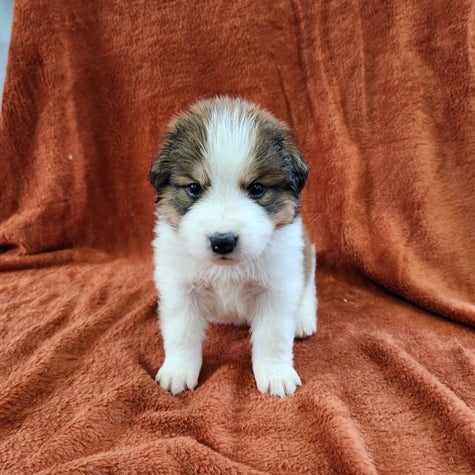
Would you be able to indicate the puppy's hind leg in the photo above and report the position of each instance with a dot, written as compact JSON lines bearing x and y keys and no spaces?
{"x":306,"y":317}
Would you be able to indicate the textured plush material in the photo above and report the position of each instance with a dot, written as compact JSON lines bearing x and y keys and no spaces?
{"x":380,"y":96}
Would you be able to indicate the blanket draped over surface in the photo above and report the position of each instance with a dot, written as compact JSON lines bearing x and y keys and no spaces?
{"x":380,"y":96}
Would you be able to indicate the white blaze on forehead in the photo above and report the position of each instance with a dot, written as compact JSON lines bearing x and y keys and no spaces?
{"x":231,"y":138}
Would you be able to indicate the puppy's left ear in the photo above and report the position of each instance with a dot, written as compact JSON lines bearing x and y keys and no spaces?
{"x":160,"y":170}
{"x":298,"y":169}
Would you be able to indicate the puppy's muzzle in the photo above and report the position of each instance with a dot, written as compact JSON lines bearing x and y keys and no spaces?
{"x":223,"y":243}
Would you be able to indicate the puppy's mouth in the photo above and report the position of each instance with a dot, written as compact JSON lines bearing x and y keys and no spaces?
{"x":224,"y":260}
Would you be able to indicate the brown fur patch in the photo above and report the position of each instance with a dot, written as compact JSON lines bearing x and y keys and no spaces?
{"x":180,"y":163}
{"x":279,"y":166}
{"x":286,"y":214}
{"x":308,"y":255}
{"x":167,"y":211}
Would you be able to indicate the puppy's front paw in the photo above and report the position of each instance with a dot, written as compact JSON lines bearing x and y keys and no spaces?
{"x":278,"y":379}
{"x":177,"y":377}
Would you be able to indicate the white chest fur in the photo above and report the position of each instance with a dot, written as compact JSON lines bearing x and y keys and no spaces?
{"x":226,"y":300}
{"x":230,"y":293}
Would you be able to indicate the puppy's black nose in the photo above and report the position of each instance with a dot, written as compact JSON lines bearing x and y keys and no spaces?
{"x":223,"y":243}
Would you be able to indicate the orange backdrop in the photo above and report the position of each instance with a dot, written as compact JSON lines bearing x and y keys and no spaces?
{"x":380,"y":97}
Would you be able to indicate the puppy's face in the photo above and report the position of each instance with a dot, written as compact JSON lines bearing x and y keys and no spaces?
{"x":227,"y":176}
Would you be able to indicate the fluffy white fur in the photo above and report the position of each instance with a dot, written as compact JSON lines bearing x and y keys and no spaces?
{"x":261,"y":285}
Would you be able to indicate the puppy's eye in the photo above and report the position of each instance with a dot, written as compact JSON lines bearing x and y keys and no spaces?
{"x":256,"y":190}
{"x":194,"y":190}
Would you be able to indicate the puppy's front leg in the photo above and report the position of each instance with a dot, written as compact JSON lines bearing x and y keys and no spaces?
{"x":183,"y":330}
{"x":272,"y":340}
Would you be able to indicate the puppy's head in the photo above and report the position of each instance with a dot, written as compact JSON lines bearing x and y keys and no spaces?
{"x":227,"y":175}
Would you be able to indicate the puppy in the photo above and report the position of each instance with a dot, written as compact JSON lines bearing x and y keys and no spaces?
{"x":230,"y":246}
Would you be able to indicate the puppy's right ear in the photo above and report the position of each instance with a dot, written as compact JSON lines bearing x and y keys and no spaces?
{"x":160,"y":170}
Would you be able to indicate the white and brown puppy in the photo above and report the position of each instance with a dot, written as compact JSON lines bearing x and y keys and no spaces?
{"x":230,"y":246}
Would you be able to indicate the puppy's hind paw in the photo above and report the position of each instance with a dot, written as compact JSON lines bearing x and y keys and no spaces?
{"x":306,"y":327}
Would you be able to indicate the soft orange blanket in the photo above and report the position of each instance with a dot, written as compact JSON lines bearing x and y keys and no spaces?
{"x":380,"y":96}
